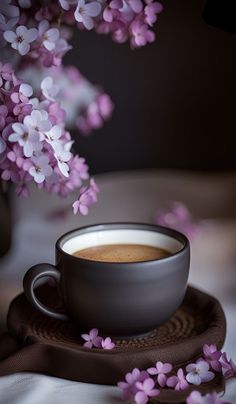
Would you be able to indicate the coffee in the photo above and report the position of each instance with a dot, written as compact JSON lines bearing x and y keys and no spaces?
{"x":122,"y":253}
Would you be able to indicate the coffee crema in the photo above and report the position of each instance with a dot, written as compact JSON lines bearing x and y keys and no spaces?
{"x":122,"y":253}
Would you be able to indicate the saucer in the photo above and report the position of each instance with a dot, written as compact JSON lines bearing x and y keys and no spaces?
{"x":55,"y":347}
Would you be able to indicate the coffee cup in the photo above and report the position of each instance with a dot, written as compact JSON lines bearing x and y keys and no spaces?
{"x":121,"y":299}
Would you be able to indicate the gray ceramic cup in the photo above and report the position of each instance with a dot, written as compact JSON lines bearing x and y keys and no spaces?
{"x":120,"y":299}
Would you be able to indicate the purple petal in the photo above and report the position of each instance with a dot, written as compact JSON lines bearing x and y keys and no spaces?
{"x":207,"y":376}
{"x":86,"y":337}
{"x":83,"y":209}
{"x":97,"y":342}
{"x":183,"y":384}
{"x":141,"y":398}
{"x":75,"y":207}
{"x":161,"y":378}
{"x":166,"y":368}
{"x":148,"y":384}
{"x":93,"y":333}
{"x":108,"y":15}
{"x":88,"y":344}
{"x":136,"y":5}
{"x":152,"y":371}
{"x":139,"y":385}
{"x":154,"y":393}
{"x":216,"y":365}
{"x":172,"y":381}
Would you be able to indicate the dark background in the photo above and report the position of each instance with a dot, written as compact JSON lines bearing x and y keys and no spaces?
{"x":174,"y":99}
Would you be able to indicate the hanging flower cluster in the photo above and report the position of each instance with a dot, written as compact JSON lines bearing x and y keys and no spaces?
{"x":40,"y":99}
{"x":140,"y":386}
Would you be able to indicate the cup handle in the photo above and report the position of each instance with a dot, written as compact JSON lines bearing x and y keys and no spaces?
{"x":31,"y":277}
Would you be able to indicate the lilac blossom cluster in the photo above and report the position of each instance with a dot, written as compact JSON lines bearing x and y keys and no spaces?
{"x":93,"y":340}
{"x":43,"y":98}
{"x":34,"y":145}
{"x":141,"y":385}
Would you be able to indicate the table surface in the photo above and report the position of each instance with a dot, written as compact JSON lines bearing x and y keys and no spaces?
{"x":127,"y":196}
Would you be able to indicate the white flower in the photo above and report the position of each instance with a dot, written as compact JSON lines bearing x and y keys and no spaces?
{"x":62,"y":157}
{"x":85,"y":11}
{"x":49,"y":36}
{"x":21,"y":39}
{"x":53,"y":136}
{"x":26,"y":90}
{"x":49,"y":89}
{"x":38,"y":121}
{"x":28,"y":140}
{"x":41,"y":169}
{"x":198,"y":373}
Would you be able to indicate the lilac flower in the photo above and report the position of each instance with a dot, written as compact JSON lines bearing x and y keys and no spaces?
{"x":111,"y":10}
{"x":212,"y":356}
{"x":16,"y":155}
{"x":38,"y":121}
{"x":151,"y":10}
{"x":49,"y":36}
{"x":62,"y":156}
{"x":87,"y":197}
{"x":198,"y":373}
{"x":107,"y":343}
{"x":229,"y":367}
{"x":28,"y":140}
{"x":53,"y":136}
{"x":5,"y":73}
{"x":211,"y":398}
{"x":92,"y":339}
{"x":141,"y":35}
{"x":177,"y":382}
{"x":161,"y":370}
{"x":146,"y":390}
{"x":128,"y":386}
{"x":49,"y":89}
{"x":9,"y":173}
{"x":85,"y":11}
{"x":21,"y":39}
{"x":40,"y":169}
{"x":25,"y":91}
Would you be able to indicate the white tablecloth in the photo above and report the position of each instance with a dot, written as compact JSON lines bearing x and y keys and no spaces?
{"x":124,"y":197}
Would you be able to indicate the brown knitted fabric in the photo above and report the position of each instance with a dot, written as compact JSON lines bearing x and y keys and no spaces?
{"x":37,"y":343}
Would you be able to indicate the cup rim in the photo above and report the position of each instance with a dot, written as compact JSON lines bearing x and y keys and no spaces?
{"x":124,"y":225}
